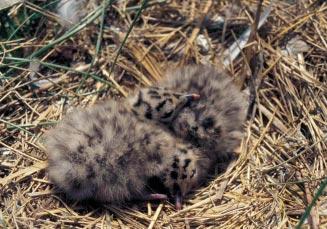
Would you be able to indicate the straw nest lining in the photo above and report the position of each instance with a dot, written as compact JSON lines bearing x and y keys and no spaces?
{"x":282,"y":158}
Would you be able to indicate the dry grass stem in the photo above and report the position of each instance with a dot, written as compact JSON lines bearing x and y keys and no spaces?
{"x":283,"y":156}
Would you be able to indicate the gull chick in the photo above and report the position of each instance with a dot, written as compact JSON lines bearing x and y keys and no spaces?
{"x":214,"y":121}
{"x":106,"y":153}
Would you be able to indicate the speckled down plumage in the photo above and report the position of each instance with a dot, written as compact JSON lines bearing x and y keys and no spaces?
{"x":159,"y":104}
{"x":214,"y":123}
{"x":105,"y":153}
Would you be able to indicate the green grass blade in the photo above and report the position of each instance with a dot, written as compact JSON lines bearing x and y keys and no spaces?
{"x":138,"y":14}
{"x":24,"y":60}
{"x":306,"y":214}
{"x":99,"y":40}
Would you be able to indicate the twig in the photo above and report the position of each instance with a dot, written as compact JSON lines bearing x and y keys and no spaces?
{"x":196,"y":30}
{"x":155,"y":217}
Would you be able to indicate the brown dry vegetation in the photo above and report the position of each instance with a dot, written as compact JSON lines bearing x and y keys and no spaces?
{"x":282,"y":158}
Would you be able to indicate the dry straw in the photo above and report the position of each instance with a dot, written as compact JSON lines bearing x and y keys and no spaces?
{"x":46,"y":70}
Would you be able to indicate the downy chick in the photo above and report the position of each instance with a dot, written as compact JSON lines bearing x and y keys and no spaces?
{"x":159,"y":104}
{"x":214,"y":122}
{"x":106,"y":153}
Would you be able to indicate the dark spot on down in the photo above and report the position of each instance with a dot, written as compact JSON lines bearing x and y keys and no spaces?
{"x":146,"y":139}
{"x":208,"y":122}
{"x":155,"y":157}
{"x":186,"y":163}
{"x":184,"y":176}
{"x":194,"y":128}
{"x":123,"y":160}
{"x":91,"y":140}
{"x":97,"y":131}
{"x":176,"y":159}
{"x":217,"y":131}
{"x":160,"y":105}
{"x":153,"y":92}
{"x":135,"y":112}
{"x":100,"y":160}
{"x":174,"y":175}
{"x":184,"y":151}
{"x":80,"y":149}
{"x":177,"y":95}
{"x":76,"y":158}
{"x":119,"y":129}
{"x":155,"y":96}
{"x":90,"y":171}
{"x":139,"y":100}
{"x":148,"y":114}
{"x":158,"y":146}
{"x":167,"y":114}
{"x":175,"y":165}
{"x":156,"y":184}
{"x":193,"y":173}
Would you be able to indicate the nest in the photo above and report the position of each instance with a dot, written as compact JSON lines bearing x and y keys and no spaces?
{"x":46,"y":69}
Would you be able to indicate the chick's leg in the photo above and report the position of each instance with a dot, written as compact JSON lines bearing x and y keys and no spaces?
{"x":155,"y":196}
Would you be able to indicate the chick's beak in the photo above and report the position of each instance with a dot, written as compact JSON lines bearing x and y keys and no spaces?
{"x":192,"y":97}
{"x":188,"y":99}
{"x":178,"y":201}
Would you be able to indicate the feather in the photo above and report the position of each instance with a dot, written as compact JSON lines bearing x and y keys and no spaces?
{"x":71,"y":11}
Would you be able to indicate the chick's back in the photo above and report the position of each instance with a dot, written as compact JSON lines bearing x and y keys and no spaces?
{"x":104,"y":153}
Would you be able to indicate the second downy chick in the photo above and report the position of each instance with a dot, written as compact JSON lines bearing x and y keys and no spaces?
{"x":214,"y":122}
{"x":106,"y":153}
